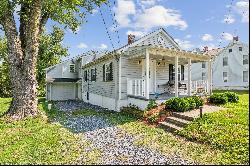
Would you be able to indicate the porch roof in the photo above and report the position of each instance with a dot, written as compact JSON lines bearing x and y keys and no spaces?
{"x":160,"y":52}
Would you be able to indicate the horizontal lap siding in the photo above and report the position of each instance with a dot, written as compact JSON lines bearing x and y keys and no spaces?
{"x":100,"y":87}
{"x":162,"y":76}
{"x":129,"y":69}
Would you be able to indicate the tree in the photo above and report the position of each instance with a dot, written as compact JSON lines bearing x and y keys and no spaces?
{"x":23,"y":44}
{"x":50,"y":52}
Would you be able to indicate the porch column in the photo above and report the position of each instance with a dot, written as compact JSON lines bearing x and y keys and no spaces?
{"x":189,"y":77}
{"x":209,"y":78}
{"x":176,"y":75}
{"x":147,"y":75}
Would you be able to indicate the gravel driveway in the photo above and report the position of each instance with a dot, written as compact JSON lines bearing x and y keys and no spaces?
{"x":116,"y":145}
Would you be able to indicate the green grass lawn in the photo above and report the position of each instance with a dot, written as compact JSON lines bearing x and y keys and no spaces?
{"x":226,"y":130}
{"x":36,"y":141}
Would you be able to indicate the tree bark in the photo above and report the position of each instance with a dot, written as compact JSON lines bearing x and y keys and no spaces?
{"x":23,"y":59}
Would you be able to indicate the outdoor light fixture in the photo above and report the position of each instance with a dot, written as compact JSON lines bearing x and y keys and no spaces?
{"x":139,"y":62}
{"x":158,"y":63}
{"x":49,"y":106}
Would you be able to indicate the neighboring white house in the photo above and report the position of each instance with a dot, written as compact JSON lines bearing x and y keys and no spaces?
{"x":230,"y":67}
{"x":143,"y":69}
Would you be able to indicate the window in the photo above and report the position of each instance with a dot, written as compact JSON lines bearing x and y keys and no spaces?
{"x":230,"y":50}
{"x":203,"y":65}
{"x":203,"y":75}
{"x":245,"y":76}
{"x":240,"y":48}
{"x":225,"y":61}
{"x":245,"y":59}
{"x":72,"y":68}
{"x":85,"y":75}
{"x":172,"y":72}
{"x":93,"y":74}
{"x":108,"y":72}
{"x":225,"y":78}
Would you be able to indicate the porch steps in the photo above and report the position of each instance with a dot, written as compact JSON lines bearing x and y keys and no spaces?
{"x":176,"y":122}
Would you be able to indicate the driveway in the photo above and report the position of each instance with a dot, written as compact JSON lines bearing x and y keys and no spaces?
{"x":116,"y":145}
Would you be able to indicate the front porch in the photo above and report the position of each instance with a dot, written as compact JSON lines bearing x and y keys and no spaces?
{"x":155,"y":83}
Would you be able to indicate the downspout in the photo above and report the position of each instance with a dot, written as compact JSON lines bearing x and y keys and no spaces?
{"x":117,"y":80}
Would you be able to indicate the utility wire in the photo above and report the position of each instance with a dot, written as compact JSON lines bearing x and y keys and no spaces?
{"x":105,"y":25}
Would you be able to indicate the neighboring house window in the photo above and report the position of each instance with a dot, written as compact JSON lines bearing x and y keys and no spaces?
{"x":93,"y":74}
{"x":230,"y":50}
{"x":85,"y":75}
{"x":72,"y":68}
{"x":245,"y":76}
{"x":225,"y":78}
{"x":203,"y":75}
{"x":203,"y":65}
{"x":225,"y":61}
{"x":245,"y":59}
{"x":108,"y":72}
{"x":240,"y":48}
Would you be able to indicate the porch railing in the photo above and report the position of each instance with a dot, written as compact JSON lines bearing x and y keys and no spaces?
{"x":136,"y":87}
{"x":199,"y":86}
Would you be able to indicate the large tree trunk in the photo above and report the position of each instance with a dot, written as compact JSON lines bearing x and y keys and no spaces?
{"x":22,"y":56}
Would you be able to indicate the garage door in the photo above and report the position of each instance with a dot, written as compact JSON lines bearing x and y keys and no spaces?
{"x":63,"y":91}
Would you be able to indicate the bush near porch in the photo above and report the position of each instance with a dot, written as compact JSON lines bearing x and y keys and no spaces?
{"x":226,"y":130}
{"x":223,"y":98}
{"x":184,"y":104}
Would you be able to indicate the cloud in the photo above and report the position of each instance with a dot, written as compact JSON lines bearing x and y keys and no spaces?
{"x":82,"y":45}
{"x":184,"y":44}
{"x":136,"y":33}
{"x":242,"y":8}
{"x":207,"y":37}
{"x":229,"y":19}
{"x":103,"y":46}
{"x":124,"y":9}
{"x":210,"y":19}
{"x":227,"y":36}
{"x":188,"y":36}
{"x":160,"y":16}
{"x":94,"y":11}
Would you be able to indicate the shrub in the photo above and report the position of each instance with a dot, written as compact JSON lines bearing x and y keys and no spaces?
{"x":218,"y":98}
{"x":153,"y":118}
{"x":152,"y":104}
{"x":132,"y":110}
{"x":232,"y":97}
{"x":192,"y":102}
{"x":198,"y":101}
{"x":178,"y":104}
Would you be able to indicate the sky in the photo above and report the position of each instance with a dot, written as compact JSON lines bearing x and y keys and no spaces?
{"x":192,"y":23}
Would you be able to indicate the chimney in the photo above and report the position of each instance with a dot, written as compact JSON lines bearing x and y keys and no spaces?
{"x":131,"y":38}
{"x":235,"y":38}
{"x":205,"y":49}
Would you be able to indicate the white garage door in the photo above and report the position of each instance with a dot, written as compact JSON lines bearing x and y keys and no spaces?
{"x":63,"y":91}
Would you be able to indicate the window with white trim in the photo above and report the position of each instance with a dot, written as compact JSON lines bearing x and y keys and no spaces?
{"x":245,"y":76}
{"x":108,"y":72}
{"x":93,"y":74}
{"x":225,"y":77}
{"x":203,"y":65}
{"x":85,"y":75}
{"x":203,"y":75}
{"x":72,"y":68}
{"x":245,"y":59}
{"x":240,"y":48}
{"x":230,"y":50}
{"x":225,"y":61}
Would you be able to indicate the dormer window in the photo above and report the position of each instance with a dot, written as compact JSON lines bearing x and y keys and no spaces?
{"x":72,"y":68}
{"x":240,"y":48}
{"x":230,"y":50}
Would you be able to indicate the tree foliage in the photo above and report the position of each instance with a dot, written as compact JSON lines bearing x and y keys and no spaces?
{"x":50,"y":53}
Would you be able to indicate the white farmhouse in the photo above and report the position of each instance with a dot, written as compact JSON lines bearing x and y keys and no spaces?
{"x":230,"y":67}
{"x":152,"y":67}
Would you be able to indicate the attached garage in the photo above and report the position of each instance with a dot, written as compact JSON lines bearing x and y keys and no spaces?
{"x":62,"y":89}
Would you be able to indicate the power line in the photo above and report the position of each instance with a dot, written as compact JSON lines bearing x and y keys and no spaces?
{"x":115,"y":23}
{"x":105,"y":25}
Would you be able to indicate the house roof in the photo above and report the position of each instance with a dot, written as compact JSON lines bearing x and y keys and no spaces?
{"x":63,"y":80}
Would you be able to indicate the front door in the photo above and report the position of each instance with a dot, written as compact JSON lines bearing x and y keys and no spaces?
{"x":152,"y":75}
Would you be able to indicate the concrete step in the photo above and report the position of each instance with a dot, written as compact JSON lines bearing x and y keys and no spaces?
{"x":177,"y":121}
{"x":179,"y":115}
{"x":170,"y":127}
